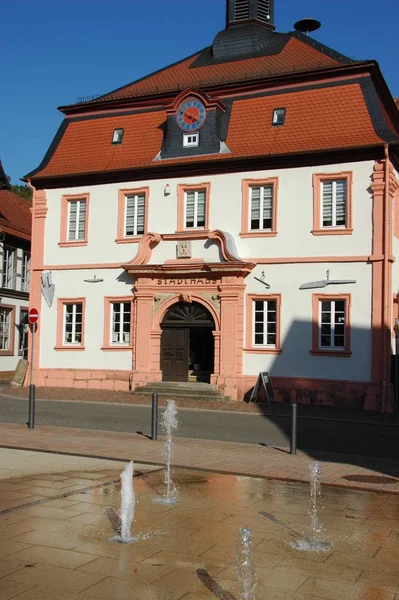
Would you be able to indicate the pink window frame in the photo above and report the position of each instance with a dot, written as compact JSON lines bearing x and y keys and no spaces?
{"x":65,"y":200}
{"x":121,"y":237}
{"x":246,"y":232}
{"x":60,"y":325}
{"x":316,"y":351}
{"x":10,"y":351}
{"x":318,"y":179}
{"x":181,"y":190}
{"x":250,"y":347}
{"x":107,"y":345}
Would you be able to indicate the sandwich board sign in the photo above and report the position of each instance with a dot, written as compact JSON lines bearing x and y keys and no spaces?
{"x":264,"y":382}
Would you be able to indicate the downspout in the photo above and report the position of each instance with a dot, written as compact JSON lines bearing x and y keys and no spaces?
{"x":386,"y":299}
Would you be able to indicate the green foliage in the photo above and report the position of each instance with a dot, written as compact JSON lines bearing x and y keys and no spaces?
{"x":23,"y":191}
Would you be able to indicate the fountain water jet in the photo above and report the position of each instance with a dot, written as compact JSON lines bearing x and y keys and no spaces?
{"x":169,"y":424}
{"x":244,"y":565}
{"x":313,"y":543}
{"x":122,"y":522}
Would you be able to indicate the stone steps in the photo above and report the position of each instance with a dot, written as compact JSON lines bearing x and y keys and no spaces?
{"x":198,"y":390}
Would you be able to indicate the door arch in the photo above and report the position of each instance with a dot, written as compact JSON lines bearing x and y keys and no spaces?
{"x":187,"y":343}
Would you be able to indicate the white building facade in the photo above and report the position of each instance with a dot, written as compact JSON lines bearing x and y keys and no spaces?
{"x":215,"y":246}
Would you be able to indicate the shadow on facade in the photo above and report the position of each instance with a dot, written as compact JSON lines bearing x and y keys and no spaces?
{"x":332,"y":398}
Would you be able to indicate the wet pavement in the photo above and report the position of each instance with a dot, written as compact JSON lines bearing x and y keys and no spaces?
{"x":54,"y":535}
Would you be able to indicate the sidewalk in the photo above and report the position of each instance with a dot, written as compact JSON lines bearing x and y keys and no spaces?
{"x":348,"y":471}
{"x":275,"y":408}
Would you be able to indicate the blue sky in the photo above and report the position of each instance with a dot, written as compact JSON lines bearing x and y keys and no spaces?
{"x":54,"y":52}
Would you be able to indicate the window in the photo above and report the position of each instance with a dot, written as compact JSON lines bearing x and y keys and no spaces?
{"x":70,"y":330}
{"x":117,"y":323}
{"x":74,"y":220}
{"x":7,"y":321}
{"x":332,"y":204}
{"x":278,"y":116}
{"x":191,"y":140}
{"x":259,"y":207}
{"x":263,"y":323}
{"x":193,"y":206}
{"x":117,"y":136}
{"x":331,"y":324}
{"x":132,"y":214}
{"x":9,"y":267}
{"x":23,"y":333}
{"x":25,"y":274}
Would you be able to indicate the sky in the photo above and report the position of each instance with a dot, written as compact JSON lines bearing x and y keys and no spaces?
{"x":54,"y":52}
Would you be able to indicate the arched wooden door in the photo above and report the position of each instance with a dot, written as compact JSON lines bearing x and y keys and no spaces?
{"x":179,"y":325}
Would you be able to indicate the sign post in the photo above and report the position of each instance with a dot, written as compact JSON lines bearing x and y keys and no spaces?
{"x":33,"y":318}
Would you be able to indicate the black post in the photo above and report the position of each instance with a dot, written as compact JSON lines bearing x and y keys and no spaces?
{"x":396,"y":375}
{"x":294,"y":422}
{"x":154,"y":421}
{"x":32,"y":392}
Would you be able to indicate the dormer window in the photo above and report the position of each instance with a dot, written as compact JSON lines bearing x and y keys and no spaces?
{"x":118,"y":136}
{"x":191,"y":140}
{"x":278,"y":116}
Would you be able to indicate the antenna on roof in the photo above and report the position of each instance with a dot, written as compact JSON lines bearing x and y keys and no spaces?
{"x":307,"y":25}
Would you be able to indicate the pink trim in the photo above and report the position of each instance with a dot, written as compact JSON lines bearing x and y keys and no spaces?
{"x":250,"y":347}
{"x":220,"y":237}
{"x":246,"y":232}
{"x":318,"y":179}
{"x":60,"y":325}
{"x":181,"y":190}
{"x":107,"y":345}
{"x":121,"y":237}
{"x":185,"y":261}
{"x":316,"y":299}
{"x":65,"y":199}
{"x":188,"y":234}
{"x":39,"y":213}
{"x":210,"y":103}
{"x":287,"y":260}
{"x":91,"y":379}
{"x":11,"y":350}
{"x":146,"y":245}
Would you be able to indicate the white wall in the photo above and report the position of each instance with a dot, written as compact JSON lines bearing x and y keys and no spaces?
{"x":71,"y":284}
{"x":295,"y":359}
{"x":295,"y":216}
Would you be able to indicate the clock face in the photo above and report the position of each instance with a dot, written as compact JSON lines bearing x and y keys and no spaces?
{"x":191,"y":115}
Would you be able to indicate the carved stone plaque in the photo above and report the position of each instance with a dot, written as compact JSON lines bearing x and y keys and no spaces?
{"x":183,"y":249}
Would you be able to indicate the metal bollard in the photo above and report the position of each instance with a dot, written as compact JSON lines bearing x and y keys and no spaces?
{"x":294,"y":424}
{"x":32,"y":393}
{"x":154,"y":420}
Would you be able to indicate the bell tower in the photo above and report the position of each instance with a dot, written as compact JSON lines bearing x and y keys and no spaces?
{"x":239,"y":11}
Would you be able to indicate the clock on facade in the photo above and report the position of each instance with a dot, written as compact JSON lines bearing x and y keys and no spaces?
{"x":191,"y":115}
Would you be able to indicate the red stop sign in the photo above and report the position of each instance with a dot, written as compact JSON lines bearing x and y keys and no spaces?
{"x":33,"y":316}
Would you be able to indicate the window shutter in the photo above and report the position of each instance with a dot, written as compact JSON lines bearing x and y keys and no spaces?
{"x":82,"y":219}
{"x":327,"y":203}
{"x":340,"y":194}
{"x":255,"y":207}
{"x":267,"y":206}
{"x":201,"y":199}
{"x":241,"y":10}
{"x":190,"y":207}
{"x":73,"y":210}
{"x":130,"y":202}
{"x":140,"y":213}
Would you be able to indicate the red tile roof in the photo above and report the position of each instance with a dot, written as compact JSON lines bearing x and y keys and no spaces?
{"x":296,"y":56}
{"x":317,"y":119}
{"x":15,"y":215}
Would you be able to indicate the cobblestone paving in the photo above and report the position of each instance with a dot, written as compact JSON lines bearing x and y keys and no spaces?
{"x":55,"y":540}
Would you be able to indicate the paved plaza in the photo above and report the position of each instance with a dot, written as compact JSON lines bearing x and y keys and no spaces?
{"x":55,"y":532}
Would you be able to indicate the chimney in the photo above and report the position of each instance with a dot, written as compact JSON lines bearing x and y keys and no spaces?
{"x":239,"y":11}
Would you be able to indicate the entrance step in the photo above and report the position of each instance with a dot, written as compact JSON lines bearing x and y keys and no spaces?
{"x":184,"y":389}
